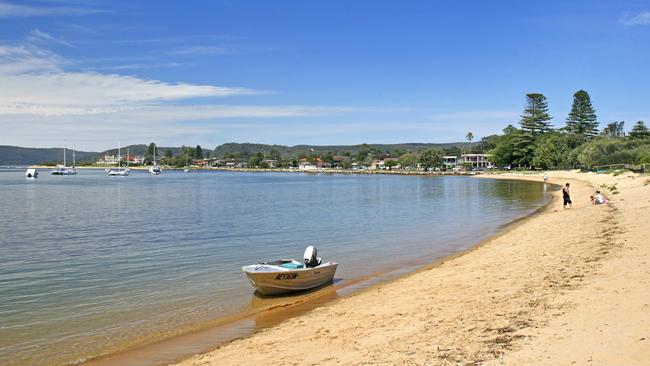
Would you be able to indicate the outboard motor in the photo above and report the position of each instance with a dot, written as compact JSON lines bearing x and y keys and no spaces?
{"x":311,"y":257}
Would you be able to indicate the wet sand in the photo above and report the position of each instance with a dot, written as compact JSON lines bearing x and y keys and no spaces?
{"x":561,"y":287}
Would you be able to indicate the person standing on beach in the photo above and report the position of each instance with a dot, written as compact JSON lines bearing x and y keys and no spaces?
{"x":566,"y":196}
{"x":545,"y":177}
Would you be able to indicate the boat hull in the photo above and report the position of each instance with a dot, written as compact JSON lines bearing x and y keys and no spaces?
{"x":118,"y":173}
{"x":274,"y":282}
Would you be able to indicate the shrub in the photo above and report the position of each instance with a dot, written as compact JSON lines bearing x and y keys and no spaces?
{"x":605,"y":151}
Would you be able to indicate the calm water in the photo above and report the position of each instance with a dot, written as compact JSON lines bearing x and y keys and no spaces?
{"x":91,"y":264}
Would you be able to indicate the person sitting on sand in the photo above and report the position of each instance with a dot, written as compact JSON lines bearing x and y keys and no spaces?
{"x":599,"y":199}
{"x":566,"y":196}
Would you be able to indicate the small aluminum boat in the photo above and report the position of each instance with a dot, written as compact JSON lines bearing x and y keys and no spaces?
{"x":288,"y":275}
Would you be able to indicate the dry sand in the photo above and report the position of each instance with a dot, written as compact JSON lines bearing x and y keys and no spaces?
{"x":562,"y":287}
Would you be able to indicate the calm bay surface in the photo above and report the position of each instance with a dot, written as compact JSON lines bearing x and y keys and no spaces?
{"x":91,"y":264}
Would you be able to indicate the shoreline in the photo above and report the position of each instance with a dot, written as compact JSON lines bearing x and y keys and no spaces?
{"x":229,"y":329}
{"x":361,"y":329}
{"x":284,"y":170}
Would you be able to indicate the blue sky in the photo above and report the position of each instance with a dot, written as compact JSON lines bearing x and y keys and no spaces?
{"x":92,"y":73}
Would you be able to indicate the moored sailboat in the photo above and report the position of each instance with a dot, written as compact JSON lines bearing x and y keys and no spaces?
{"x":119,"y":172}
{"x":155,"y":169}
{"x":64,"y":169}
{"x":187,"y":160}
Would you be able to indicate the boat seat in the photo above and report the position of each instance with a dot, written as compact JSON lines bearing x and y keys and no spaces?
{"x":291,"y":265}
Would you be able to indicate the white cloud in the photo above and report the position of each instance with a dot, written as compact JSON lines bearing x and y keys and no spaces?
{"x":25,"y":59}
{"x":136,"y":66}
{"x":642,"y":18}
{"x":73,"y":93}
{"x":43,"y":103}
{"x":38,"y":36}
{"x":15,"y":10}
{"x":32,"y":81}
{"x":195,"y":113}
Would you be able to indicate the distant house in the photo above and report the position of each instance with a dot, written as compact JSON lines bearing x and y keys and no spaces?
{"x":306,"y":165}
{"x":108,"y":160}
{"x":206,"y":162}
{"x":203,"y":163}
{"x":272,"y":163}
{"x":391,"y":161}
{"x":339,"y":160}
{"x":377,"y":164}
{"x":228,"y":163}
{"x":381,"y":163}
{"x":134,"y":159}
{"x":319,"y":162}
{"x":476,"y":160}
{"x":450,"y":161}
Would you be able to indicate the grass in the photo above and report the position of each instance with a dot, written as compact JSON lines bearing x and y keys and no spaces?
{"x":613,"y":189}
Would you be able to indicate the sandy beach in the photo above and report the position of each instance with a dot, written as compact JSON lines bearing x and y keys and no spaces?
{"x":558,"y":288}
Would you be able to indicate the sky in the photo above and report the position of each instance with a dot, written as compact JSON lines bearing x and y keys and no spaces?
{"x":96,"y":73}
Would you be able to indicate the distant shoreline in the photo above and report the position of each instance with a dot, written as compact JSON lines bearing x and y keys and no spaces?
{"x":286,"y":170}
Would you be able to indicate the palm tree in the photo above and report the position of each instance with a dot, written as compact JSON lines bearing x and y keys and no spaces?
{"x":470,"y":137}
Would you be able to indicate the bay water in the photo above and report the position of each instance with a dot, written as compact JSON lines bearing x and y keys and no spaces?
{"x":91,"y":264}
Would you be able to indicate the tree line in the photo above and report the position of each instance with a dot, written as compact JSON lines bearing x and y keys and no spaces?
{"x":536,"y":144}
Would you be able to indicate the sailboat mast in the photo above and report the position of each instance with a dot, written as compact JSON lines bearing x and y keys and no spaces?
{"x":64,"y":164}
{"x":74,"y":156}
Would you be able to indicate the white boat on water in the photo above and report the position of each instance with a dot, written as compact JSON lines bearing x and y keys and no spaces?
{"x":155,"y":169}
{"x":63,"y":169}
{"x":187,"y":160}
{"x":119,"y":172}
{"x":288,"y":275}
{"x":31,"y":173}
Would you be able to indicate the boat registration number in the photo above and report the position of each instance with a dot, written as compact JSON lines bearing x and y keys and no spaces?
{"x":286,"y":276}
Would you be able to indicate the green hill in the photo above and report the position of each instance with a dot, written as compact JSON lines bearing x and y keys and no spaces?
{"x":14,"y":155}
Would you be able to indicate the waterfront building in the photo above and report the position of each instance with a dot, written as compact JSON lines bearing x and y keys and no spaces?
{"x":272,"y":163}
{"x":450,"y":161}
{"x":108,"y":159}
{"x":134,"y":159}
{"x":306,"y":165}
{"x":476,"y":160}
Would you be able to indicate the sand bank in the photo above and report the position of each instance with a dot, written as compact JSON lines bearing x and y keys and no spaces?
{"x":562,"y":287}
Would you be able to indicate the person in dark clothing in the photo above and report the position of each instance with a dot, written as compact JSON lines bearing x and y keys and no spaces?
{"x":566,"y":196}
